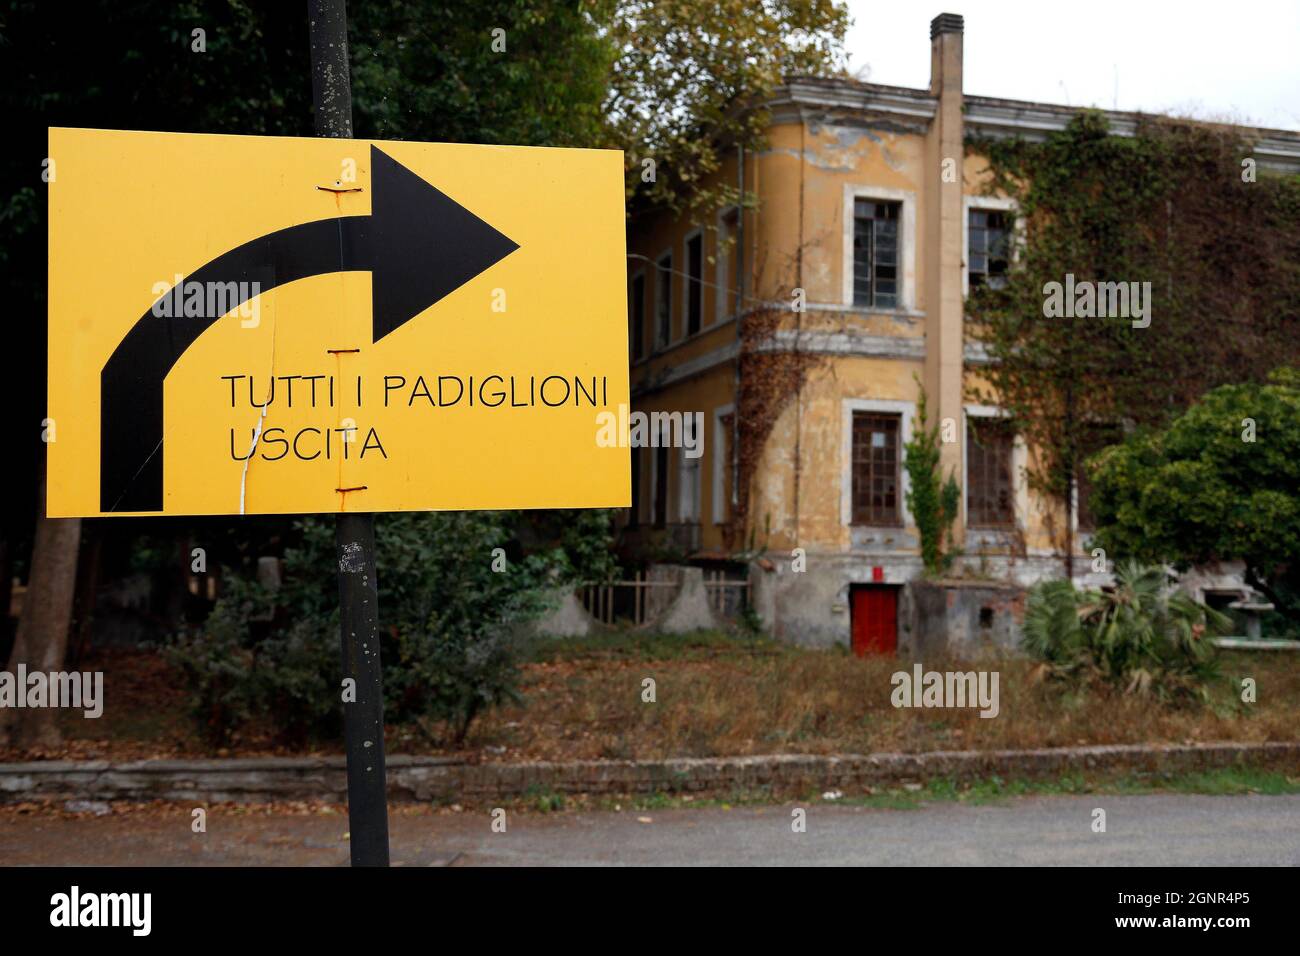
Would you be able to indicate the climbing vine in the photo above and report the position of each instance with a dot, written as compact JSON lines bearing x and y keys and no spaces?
{"x":932,"y":501}
{"x":770,"y":378}
{"x":1180,"y":205}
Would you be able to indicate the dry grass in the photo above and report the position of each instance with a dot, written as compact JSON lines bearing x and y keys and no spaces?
{"x":716,"y":696}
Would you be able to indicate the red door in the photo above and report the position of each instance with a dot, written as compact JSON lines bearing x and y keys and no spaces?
{"x":875,"y":620}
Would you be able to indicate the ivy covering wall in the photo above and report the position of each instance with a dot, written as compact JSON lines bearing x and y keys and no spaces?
{"x":1180,"y":205}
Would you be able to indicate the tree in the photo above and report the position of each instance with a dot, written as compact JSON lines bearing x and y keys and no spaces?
{"x":1221,"y":482}
{"x":528,"y":73}
{"x":42,"y":638}
{"x":690,"y":80}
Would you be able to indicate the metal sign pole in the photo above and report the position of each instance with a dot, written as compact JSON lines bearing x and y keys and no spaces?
{"x":354,"y":534}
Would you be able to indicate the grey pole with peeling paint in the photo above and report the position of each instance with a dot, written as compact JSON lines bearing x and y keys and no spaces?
{"x":354,"y":534}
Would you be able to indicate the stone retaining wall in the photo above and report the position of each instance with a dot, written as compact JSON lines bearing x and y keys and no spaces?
{"x":447,"y":779}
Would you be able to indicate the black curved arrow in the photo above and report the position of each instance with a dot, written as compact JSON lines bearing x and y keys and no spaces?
{"x":419,"y":245}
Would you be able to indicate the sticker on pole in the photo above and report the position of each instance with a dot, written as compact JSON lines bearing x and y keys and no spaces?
{"x":263,"y":325}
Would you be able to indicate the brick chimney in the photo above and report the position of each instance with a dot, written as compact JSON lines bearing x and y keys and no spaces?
{"x":945,"y":257}
{"x":945,"y":51}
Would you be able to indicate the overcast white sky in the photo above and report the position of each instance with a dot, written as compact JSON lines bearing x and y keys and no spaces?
{"x":1237,"y":60}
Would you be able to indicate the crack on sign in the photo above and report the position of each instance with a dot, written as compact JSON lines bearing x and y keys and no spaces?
{"x":252,"y":448}
{"x":261,"y":421}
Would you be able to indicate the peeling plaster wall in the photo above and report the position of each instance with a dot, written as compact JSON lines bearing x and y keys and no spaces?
{"x":815,"y":158}
{"x":841,"y":151}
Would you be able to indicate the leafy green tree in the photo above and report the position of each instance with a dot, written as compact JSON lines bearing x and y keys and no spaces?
{"x":1221,"y":482}
{"x":530,"y":73}
{"x":690,"y":80}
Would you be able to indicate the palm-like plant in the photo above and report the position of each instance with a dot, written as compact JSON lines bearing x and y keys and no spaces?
{"x":1142,"y":634}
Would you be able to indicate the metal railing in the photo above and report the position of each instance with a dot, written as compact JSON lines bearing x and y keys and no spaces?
{"x":634,"y":602}
{"x":640,"y":599}
{"x":727,"y":596}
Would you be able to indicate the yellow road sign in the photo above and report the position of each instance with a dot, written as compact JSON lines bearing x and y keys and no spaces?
{"x":258,"y":325}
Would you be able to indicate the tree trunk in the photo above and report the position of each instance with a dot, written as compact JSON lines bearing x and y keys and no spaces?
{"x":83,"y":603}
{"x":42,"y":638}
{"x":6,"y":599}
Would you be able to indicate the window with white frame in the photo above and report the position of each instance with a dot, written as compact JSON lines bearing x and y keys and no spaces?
{"x":876,"y":278}
{"x":659,"y":486}
{"x":725,"y":271}
{"x":990,"y":473}
{"x":723,"y":417}
{"x":688,"y":488}
{"x":638,"y":494}
{"x":876,"y":453}
{"x":873,"y":479}
{"x":988,"y":247}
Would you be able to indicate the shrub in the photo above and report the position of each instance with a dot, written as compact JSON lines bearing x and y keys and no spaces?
{"x":1142,"y":635}
{"x":215,"y":666}
{"x":451,"y":609}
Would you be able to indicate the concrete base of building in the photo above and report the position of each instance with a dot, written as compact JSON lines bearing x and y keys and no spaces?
{"x":980,"y":605}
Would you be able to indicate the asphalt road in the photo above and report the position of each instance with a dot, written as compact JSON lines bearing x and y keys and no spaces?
{"x":1161,"y":829}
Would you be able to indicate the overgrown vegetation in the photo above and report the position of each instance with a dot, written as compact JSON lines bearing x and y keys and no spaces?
{"x":1172,"y":206}
{"x":1221,"y":483}
{"x":932,"y":501}
{"x":452,"y":608}
{"x":1142,"y":635}
{"x":724,"y":695}
{"x":770,"y":379}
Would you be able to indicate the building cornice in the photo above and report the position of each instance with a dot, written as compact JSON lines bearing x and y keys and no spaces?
{"x":992,"y":117}
{"x":998,"y":119}
{"x":802,"y":93}
{"x":843,"y":344}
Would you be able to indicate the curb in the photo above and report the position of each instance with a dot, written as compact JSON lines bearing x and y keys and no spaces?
{"x":444,"y":779}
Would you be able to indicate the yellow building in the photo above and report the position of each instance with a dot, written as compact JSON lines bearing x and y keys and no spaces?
{"x":848,"y":277}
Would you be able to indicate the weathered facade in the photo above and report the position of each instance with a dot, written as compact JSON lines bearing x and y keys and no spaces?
{"x":871,"y":214}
